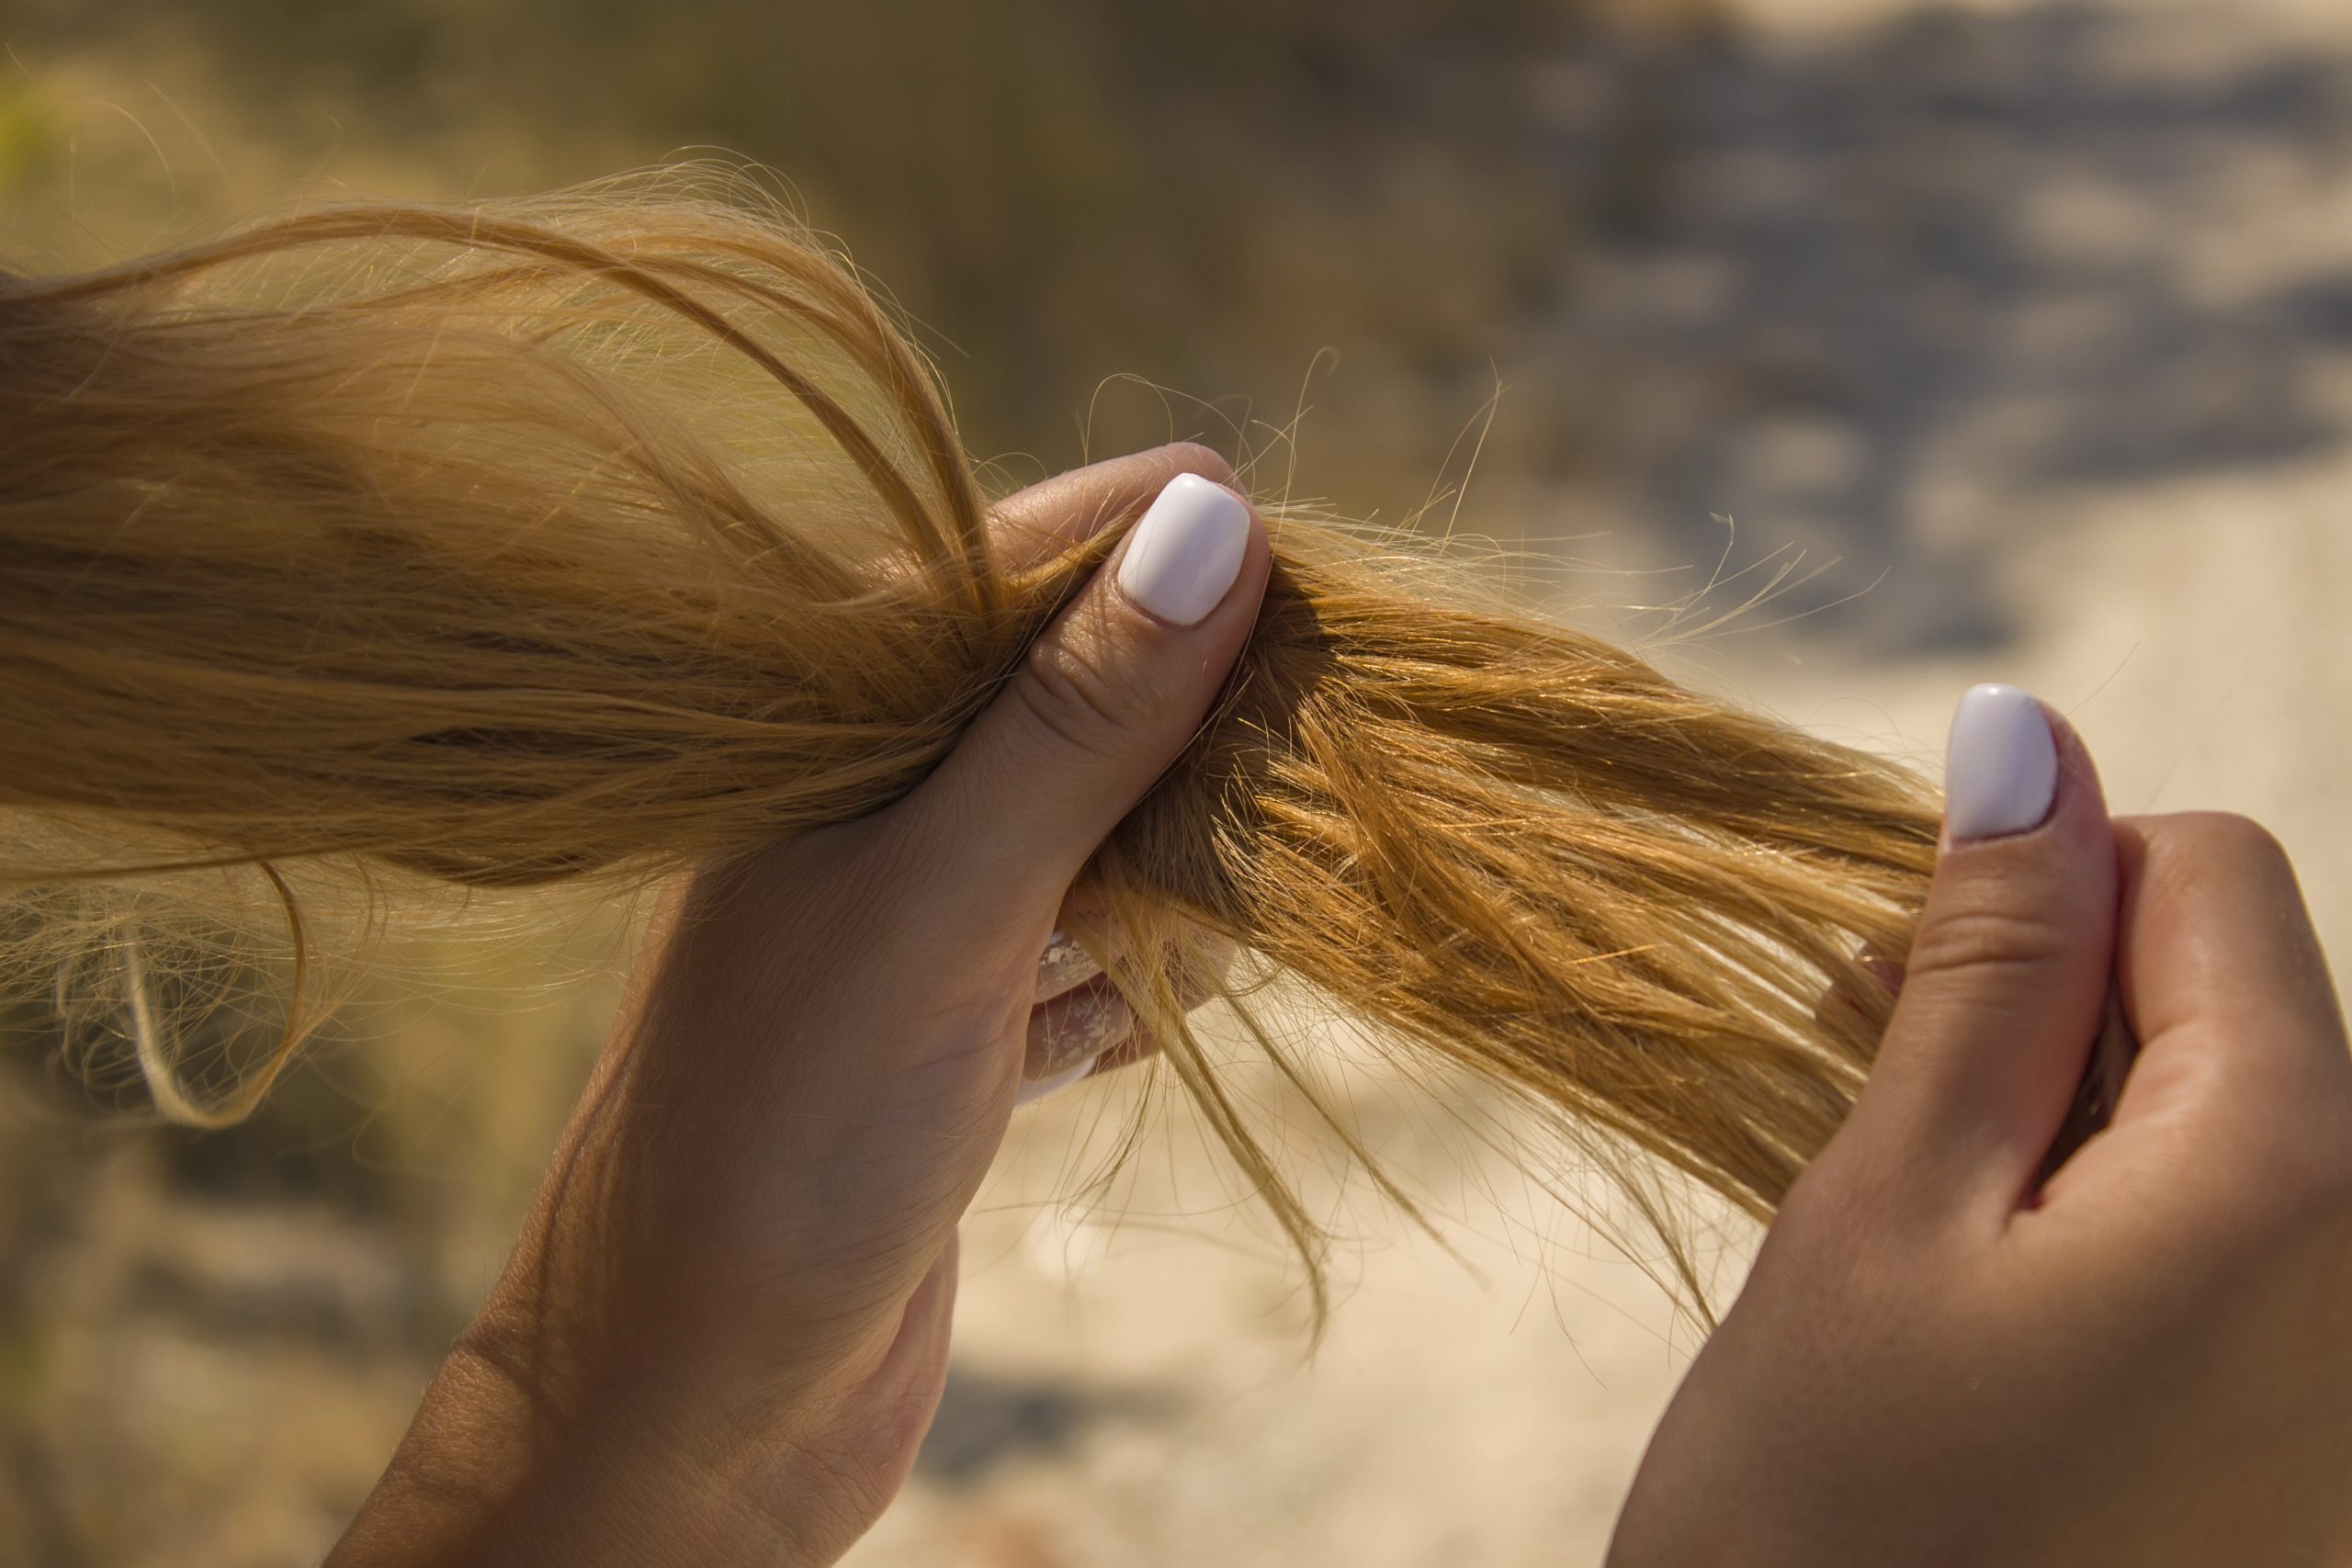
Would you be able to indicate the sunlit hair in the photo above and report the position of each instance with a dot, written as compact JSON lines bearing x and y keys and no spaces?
{"x":592,"y":537}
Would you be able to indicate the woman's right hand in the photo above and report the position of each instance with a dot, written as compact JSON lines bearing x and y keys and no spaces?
{"x":2146,"y":1361}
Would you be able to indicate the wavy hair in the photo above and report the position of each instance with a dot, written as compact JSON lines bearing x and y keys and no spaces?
{"x":590,"y":536}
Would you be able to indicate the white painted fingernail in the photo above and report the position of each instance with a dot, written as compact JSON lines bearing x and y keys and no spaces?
{"x":2001,"y":766}
{"x":1186,"y":551}
{"x":1032,"y":1090}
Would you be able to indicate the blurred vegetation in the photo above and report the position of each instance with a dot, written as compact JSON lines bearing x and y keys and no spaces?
{"x":209,"y":1341}
{"x":1203,"y":196}
{"x":1872,"y":296}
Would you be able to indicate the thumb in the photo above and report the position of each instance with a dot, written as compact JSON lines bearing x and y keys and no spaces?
{"x":2006,"y":982}
{"x":1107,"y":697}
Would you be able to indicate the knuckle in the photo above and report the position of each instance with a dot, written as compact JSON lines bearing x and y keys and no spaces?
{"x":1990,"y":937}
{"x":1074,"y":698}
{"x":2199,"y":856}
{"x":2239,"y":839}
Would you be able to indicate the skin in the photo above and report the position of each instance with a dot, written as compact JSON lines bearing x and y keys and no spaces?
{"x":725,"y":1330}
{"x":2149,"y":1360}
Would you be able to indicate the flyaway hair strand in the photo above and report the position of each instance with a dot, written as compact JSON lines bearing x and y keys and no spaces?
{"x":592,"y":537}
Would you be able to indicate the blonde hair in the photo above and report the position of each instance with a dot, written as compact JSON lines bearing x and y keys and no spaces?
{"x":594,"y":536}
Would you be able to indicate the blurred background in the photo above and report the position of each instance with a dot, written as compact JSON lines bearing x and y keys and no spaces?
{"x":2023,"y":331}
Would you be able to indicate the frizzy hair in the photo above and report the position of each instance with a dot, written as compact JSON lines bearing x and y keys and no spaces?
{"x":594,"y":536}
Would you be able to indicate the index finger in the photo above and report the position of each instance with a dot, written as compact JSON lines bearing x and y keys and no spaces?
{"x":2215,"y":943}
{"x":1030,"y":526}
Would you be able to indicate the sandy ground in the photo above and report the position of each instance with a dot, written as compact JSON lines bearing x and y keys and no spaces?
{"x":1142,"y":1394}
{"x":2037,"y":316}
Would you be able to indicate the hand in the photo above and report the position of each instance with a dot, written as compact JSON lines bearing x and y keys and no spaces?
{"x":725,"y":1330}
{"x":2148,"y":1360}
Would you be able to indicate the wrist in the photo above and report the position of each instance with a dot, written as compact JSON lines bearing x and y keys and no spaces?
{"x":581,"y":1421}
{"x":496,"y":1468}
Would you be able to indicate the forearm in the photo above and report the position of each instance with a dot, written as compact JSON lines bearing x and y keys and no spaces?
{"x":649,"y":1412}
{"x":493,"y":1471}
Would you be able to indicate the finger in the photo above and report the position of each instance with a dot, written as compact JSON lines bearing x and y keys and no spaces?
{"x":1071,"y":958}
{"x":2236,"y":1121}
{"x":2004,"y":985}
{"x":1107,"y":697}
{"x":1091,"y":1018}
{"x":1093,"y":1025}
{"x":2216,"y":952}
{"x":1031,"y":526}
{"x":1133,"y":1044}
{"x":1075,"y":1027}
{"x":1065,"y":965}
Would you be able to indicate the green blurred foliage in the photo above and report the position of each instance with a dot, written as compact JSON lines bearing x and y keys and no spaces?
{"x":209,"y":1342}
{"x":26,"y":134}
{"x":1202,"y":195}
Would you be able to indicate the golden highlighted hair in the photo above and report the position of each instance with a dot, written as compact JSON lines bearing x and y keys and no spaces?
{"x":591,"y":537}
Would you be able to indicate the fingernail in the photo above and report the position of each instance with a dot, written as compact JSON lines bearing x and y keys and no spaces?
{"x":1186,"y":551}
{"x":2001,"y":767}
{"x":1063,"y":967}
{"x":1032,"y":1090}
{"x":1079,"y":1026}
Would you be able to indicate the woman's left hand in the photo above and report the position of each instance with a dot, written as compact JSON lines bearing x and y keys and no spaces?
{"x":725,"y":1330}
